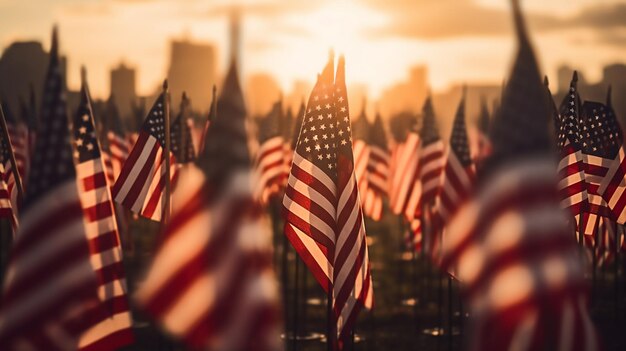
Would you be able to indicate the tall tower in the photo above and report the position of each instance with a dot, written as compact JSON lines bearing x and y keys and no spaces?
{"x":123,"y":88}
{"x":235,"y":36}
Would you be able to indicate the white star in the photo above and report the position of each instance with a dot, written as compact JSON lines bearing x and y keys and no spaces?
{"x":343,"y":109}
{"x":306,"y":140}
{"x":318,"y":107}
{"x":90,"y":146}
{"x":320,"y":157}
{"x":85,"y":117}
{"x":312,"y":128}
{"x":328,"y":156}
{"x":320,"y":117}
{"x":341,"y":99}
{"x":325,"y":136}
{"x":315,"y":137}
{"x":327,"y":105}
{"x":308,"y":149}
{"x":343,"y":142}
{"x":318,"y":147}
{"x":322,"y":127}
{"x":82,"y":130}
{"x":79,"y":142}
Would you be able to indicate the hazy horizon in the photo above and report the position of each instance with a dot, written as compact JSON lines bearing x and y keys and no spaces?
{"x":459,"y":41}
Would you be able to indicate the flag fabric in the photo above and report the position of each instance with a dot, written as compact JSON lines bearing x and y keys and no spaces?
{"x":601,"y":145}
{"x":8,"y":191}
{"x":113,"y":328}
{"x":361,"y":151}
{"x":458,"y":175}
{"x":18,"y":135}
{"x":510,"y":244}
{"x":50,"y":287}
{"x":406,"y":184}
{"x":613,"y":184}
{"x":207,"y":123}
{"x":140,"y":186}
{"x":323,"y":219}
{"x":118,"y":144}
{"x":270,"y":169}
{"x":211,"y":283}
{"x":571,"y":169}
{"x":181,"y":140}
{"x":377,"y":171}
{"x":431,"y":156}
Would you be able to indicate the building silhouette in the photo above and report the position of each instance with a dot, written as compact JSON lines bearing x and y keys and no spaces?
{"x":407,"y":95}
{"x":123,"y":89}
{"x":193,"y":70}
{"x":23,"y":64}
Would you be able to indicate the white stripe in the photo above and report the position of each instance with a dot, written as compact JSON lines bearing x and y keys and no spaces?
{"x":312,"y":194}
{"x":309,"y":217}
{"x":137,"y":167}
{"x":313,"y":249}
{"x":310,"y":168}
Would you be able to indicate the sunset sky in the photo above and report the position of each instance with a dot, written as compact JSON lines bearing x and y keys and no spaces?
{"x":459,"y":40}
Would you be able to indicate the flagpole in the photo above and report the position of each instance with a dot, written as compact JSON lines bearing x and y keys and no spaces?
{"x":168,"y":185}
{"x":16,"y":172}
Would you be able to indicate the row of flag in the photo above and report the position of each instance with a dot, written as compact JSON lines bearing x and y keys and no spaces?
{"x":493,"y":215}
{"x":65,"y":285}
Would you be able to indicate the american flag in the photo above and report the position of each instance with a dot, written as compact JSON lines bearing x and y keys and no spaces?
{"x":181,"y":139}
{"x":207,"y":123}
{"x":406,"y":185}
{"x":211,"y":282}
{"x":113,"y":325}
{"x":361,"y":151}
{"x":431,"y":156}
{"x":571,"y":169}
{"x":270,"y":168}
{"x":292,"y":134}
{"x":377,"y":171}
{"x":118,"y":144}
{"x":18,"y":134}
{"x":510,"y":244}
{"x":8,"y":191}
{"x":50,"y":286}
{"x":324,"y":222}
{"x":459,"y":172}
{"x":140,"y":186}
{"x":601,"y":145}
{"x":613,"y":185}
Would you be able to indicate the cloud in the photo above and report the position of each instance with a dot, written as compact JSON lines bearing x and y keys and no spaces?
{"x":442,"y":19}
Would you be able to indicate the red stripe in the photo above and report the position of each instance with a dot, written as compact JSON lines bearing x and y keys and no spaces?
{"x":308,"y":259}
{"x":99,"y":211}
{"x":142,"y":177}
{"x":130,"y":163}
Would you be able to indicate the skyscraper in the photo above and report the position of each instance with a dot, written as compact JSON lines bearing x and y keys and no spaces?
{"x":123,"y":89}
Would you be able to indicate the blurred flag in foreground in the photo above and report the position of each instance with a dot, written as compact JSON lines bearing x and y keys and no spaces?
{"x":114,"y":325}
{"x":323,"y":218}
{"x":211,"y":283}
{"x":50,"y":287}
{"x":8,"y":188}
{"x":140,"y":186}
{"x":510,"y":244}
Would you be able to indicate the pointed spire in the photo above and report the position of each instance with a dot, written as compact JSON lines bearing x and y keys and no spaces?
{"x":430,"y":131}
{"x":520,"y":128}
{"x":484,"y":120}
{"x":226,"y":141}
{"x":377,"y":134}
{"x":54,"y":45}
{"x":297,"y":124}
{"x":546,"y":82}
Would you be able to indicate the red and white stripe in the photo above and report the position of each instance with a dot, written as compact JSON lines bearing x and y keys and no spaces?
{"x":310,"y":217}
{"x":572,"y":184}
{"x":361,"y":153}
{"x":596,"y":169}
{"x":406,"y":186}
{"x":211,"y":282}
{"x":108,"y":167}
{"x":456,"y":186}
{"x":140,"y":186}
{"x":8,"y":196}
{"x":513,"y":250}
{"x":378,"y":182}
{"x":613,"y":186}
{"x":50,"y":285}
{"x":120,"y":148}
{"x":270,"y":168}
{"x":21,"y":147}
{"x":113,"y":328}
{"x":432,"y":162}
